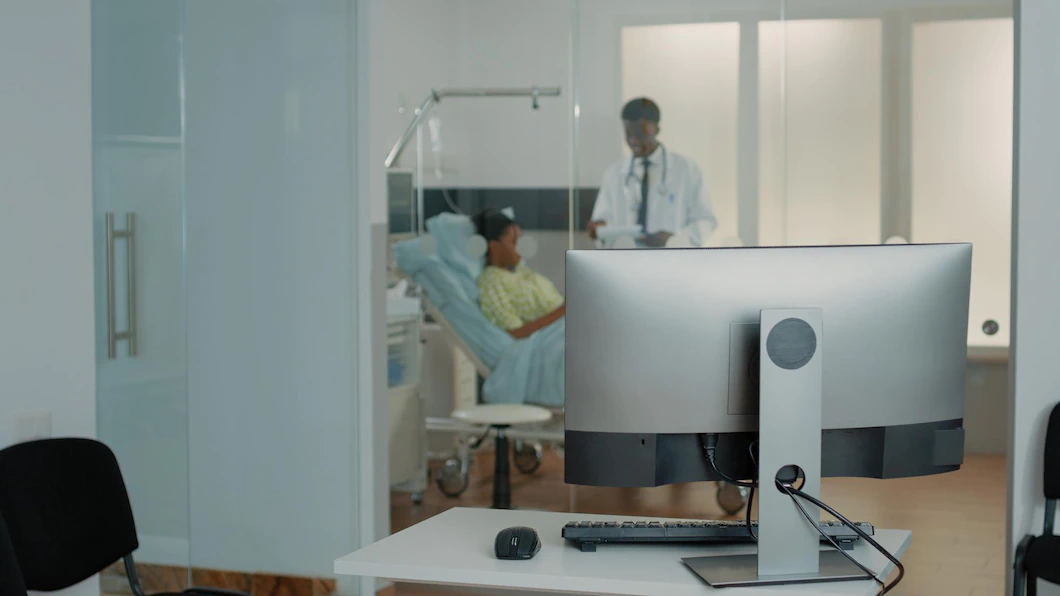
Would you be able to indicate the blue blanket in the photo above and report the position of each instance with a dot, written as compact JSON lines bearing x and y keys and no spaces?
{"x":530,"y":370}
{"x":524,"y":371}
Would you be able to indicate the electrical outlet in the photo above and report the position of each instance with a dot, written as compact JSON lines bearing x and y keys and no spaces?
{"x":33,"y":426}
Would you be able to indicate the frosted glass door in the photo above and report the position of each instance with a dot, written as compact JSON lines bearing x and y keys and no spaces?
{"x":138,"y":179}
{"x":272,"y":368}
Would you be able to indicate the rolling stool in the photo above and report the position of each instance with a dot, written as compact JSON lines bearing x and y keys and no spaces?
{"x":499,"y":417}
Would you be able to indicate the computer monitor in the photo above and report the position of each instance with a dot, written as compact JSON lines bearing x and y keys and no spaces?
{"x":663,"y":347}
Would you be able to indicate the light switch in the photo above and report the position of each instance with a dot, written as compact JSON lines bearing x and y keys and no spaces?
{"x":33,"y":426}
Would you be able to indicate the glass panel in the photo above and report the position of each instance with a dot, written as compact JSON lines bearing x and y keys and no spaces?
{"x":693,"y":70}
{"x":486,"y":152}
{"x":138,"y":169}
{"x":820,"y":108}
{"x":688,"y":61}
{"x":272,"y":367}
{"x":698,"y":62}
{"x":962,"y":154}
{"x":480,"y":150}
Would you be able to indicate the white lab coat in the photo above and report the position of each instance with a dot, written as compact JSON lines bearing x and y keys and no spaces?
{"x":682,"y":208}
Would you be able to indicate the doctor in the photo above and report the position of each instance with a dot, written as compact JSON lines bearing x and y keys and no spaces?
{"x":656,"y":189}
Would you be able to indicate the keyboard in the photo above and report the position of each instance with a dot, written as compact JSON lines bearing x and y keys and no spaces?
{"x":589,"y":534}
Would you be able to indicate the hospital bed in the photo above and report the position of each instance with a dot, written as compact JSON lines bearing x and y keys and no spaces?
{"x":447,"y":275}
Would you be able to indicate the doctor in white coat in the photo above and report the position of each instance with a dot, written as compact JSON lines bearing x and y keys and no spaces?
{"x":656,"y":190}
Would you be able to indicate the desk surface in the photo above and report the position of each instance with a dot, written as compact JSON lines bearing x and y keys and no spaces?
{"x":456,"y":548}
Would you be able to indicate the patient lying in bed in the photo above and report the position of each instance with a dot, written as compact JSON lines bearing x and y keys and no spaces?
{"x":511,"y":295}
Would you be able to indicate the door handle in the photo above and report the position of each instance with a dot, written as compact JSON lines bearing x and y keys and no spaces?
{"x":129,"y":235}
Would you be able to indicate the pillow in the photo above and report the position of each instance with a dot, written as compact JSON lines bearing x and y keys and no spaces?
{"x":449,"y":296}
{"x":452,"y":232}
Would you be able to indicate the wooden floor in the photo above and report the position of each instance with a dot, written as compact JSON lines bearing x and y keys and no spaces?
{"x":958,"y":519}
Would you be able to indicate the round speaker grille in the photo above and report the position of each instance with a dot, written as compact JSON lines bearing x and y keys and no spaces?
{"x":791,"y":344}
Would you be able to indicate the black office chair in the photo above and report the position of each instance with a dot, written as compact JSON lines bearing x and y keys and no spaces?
{"x":11,"y":583}
{"x":1038,"y":557}
{"x":68,"y":513}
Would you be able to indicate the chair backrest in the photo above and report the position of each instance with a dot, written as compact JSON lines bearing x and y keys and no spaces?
{"x":1052,"y":455}
{"x":66,"y":508}
{"x":11,"y":582}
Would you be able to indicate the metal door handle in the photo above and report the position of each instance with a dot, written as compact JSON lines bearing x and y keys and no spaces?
{"x":129,"y":234}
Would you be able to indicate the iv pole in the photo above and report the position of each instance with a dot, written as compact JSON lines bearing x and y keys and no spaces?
{"x":436,"y":97}
{"x":415,"y":128}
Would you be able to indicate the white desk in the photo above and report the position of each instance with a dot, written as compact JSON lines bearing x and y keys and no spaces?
{"x":456,"y":548}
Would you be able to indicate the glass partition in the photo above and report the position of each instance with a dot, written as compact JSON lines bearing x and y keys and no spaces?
{"x":225,"y":131}
{"x":485,"y":142}
{"x":820,"y":131}
{"x":805,"y":122}
{"x":138,"y":163}
{"x":711,"y":70}
{"x":693,"y":70}
{"x":813,"y":123}
{"x":489,"y":151}
{"x":962,"y":155}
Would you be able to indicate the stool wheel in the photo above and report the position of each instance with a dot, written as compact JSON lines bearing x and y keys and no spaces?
{"x":452,"y":479}
{"x":528,"y":456}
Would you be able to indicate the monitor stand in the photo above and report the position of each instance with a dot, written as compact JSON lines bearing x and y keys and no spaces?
{"x":789,"y":549}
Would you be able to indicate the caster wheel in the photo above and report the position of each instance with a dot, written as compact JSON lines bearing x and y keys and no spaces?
{"x":451,"y":479}
{"x":731,"y":498}
{"x":417,"y":498}
{"x":528,"y":456}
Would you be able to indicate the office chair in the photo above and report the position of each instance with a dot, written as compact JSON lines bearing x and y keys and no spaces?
{"x":1038,"y":557}
{"x":69,"y":514}
{"x":11,"y":583}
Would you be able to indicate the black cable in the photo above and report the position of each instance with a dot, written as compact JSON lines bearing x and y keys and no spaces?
{"x":751,"y":495}
{"x":709,"y":448}
{"x":846,"y":522}
{"x":831,"y":541}
{"x":750,"y":503}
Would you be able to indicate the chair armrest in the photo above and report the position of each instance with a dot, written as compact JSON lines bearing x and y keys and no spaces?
{"x":1019,"y":575}
{"x":1021,"y":552}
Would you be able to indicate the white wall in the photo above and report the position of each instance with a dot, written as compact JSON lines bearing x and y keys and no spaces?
{"x":271,"y":294}
{"x":1036,"y":277}
{"x":47,"y":357}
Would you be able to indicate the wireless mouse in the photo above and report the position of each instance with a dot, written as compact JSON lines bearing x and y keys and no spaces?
{"x":517,"y":543}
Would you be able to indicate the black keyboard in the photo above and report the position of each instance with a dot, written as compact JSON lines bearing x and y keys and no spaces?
{"x":588,"y":534}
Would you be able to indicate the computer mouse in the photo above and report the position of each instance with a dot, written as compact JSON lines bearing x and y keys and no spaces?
{"x":517,"y":543}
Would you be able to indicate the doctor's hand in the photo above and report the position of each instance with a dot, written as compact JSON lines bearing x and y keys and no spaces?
{"x":657,"y":240}
{"x":595,"y":225}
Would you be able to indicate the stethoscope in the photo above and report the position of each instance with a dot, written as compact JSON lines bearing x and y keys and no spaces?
{"x":662,"y":181}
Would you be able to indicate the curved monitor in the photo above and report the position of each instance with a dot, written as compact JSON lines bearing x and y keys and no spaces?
{"x":662,"y":348}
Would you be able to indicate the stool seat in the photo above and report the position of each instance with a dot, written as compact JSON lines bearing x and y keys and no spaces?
{"x":503,"y":414}
{"x":499,"y":417}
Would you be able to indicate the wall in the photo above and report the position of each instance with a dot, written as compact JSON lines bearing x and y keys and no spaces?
{"x":47,"y":357}
{"x":271,"y":290}
{"x":1036,"y":278}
